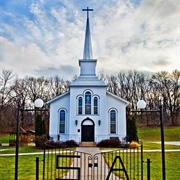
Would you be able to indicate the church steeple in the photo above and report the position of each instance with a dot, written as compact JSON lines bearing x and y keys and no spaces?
{"x":87,"y":76}
{"x":87,"y":42}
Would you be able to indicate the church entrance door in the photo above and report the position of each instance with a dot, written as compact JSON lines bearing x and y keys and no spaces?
{"x":87,"y":130}
{"x":88,"y":133}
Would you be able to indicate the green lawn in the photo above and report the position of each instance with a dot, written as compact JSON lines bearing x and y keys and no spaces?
{"x":149,"y":135}
{"x":22,"y":149}
{"x":172,"y":165}
{"x":154,"y":134}
{"x":27,"y":164}
{"x":4,"y":138}
{"x":27,"y":167}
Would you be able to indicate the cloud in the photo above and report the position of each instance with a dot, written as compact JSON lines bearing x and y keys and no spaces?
{"x":48,"y":36}
{"x":161,"y":62}
{"x":22,"y":59}
{"x":62,"y":71}
{"x":134,"y":36}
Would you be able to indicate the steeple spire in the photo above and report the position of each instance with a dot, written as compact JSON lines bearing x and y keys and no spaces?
{"x":87,"y":43}
{"x":87,"y":76}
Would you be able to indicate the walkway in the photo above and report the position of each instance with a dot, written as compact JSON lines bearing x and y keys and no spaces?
{"x":98,"y":172}
{"x":175,"y":143}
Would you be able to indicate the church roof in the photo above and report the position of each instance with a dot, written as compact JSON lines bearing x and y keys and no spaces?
{"x":88,"y":81}
{"x":58,"y":97}
{"x":118,"y":98}
{"x":108,"y":93}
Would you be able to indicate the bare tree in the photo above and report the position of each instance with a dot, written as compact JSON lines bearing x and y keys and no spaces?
{"x":5,"y":91}
{"x":167,"y":87}
{"x":58,"y":86}
{"x":130,"y":85}
{"x":5,"y":78}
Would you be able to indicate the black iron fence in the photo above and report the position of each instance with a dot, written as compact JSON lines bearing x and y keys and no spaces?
{"x":122,"y":163}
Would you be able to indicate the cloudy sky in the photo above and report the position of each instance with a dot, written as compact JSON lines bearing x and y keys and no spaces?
{"x":46,"y":37}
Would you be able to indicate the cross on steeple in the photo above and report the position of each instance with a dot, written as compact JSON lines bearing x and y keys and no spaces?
{"x":87,"y":11}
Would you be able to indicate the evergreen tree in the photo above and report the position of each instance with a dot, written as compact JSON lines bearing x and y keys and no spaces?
{"x":132,"y":129}
{"x":40,"y":131}
{"x":39,"y":126}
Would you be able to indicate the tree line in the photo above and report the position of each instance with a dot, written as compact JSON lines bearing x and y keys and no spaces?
{"x":161,"y":87}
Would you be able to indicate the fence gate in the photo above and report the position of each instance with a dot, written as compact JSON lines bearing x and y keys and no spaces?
{"x":74,"y":165}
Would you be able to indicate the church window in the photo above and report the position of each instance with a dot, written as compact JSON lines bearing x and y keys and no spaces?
{"x":80,"y":105}
{"x":62,"y":121}
{"x":112,"y":121}
{"x":88,"y":103}
{"x":95,"y":105}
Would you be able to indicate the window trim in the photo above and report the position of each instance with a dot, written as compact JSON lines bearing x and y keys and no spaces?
{"x":116,"y":120}
{"x":78,"y":109}
{"x":97,"y":106}
{"x":65,"y":119}
{"x":91,"y":104}
{"x":87,"y":103}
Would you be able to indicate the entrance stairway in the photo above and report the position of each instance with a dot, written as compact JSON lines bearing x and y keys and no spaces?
{"x":87,"y":144}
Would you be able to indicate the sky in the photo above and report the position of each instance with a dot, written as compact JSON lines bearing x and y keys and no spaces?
{"x":46,"y":37}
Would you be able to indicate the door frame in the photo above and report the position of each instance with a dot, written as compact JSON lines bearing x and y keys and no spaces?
{"x":93,"y":124}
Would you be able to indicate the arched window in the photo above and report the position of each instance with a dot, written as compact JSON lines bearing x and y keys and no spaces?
{"x":80,"y":105}
{"x":88,"y":103}
{"x":62,"y":121}
{"x":112,"y":121}
{"x":95,"y":105}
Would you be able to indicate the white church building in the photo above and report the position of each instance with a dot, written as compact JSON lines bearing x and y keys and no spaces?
{"x":87,"y":112}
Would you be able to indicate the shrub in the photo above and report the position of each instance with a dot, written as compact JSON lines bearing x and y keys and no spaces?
{"x":134,"y":144}
{"x":40,"y":140}
{"x":66,"y":144}
{"x":109,"y":143}
{"x":52,"y":144}
{"x":71,"y":143}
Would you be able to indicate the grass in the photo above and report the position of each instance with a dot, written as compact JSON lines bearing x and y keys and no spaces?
{"x":149,"y":135}
{"x":27,"y":164}
{"x":172,"y":165}
{"x":27,"y":167}
{"x":4,"y":138}
{"x":64,"y":160}
{"x":130,"y":159}
{"x":22,"y":149}
{"x":154,"y":134}
{"x":154,"y":146}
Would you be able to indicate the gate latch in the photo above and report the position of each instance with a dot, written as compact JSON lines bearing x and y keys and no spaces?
{"x":90,"y":165}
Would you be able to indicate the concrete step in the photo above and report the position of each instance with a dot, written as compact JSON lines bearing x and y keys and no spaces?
{"x":87,"y":144}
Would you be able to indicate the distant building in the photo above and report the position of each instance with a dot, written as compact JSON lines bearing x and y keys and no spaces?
{"x":87,"y":112}
{"x":25,"y":137}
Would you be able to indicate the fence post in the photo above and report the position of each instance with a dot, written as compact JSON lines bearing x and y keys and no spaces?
{"x":142,"y":161}
{"x":37,"y":168}
{"x":148,"y":169}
